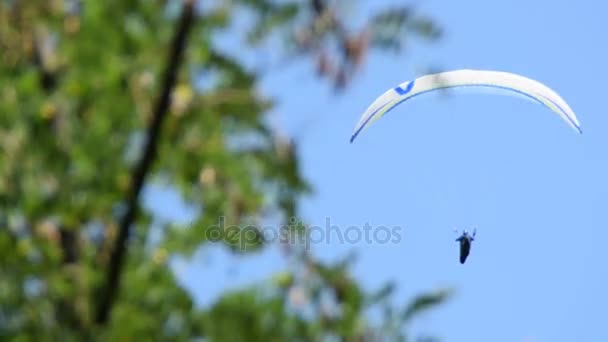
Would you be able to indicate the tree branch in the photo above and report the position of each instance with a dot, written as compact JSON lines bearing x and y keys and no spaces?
{"x":109,"y":291}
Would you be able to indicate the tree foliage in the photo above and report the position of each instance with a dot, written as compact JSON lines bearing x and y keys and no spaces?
{"x":99,"y":98}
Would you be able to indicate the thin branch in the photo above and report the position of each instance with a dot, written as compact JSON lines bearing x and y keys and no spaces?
{"x":109,"y":292}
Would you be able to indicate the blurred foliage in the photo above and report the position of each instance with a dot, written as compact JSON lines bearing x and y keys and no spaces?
{"x":78,"y":85}
{"x":320,"y":29}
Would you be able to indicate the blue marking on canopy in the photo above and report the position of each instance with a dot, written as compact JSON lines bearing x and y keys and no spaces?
{"x":460,"y":86}
{"x":407,"y":89}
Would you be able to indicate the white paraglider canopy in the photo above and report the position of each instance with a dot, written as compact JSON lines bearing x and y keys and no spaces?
{"x":479,"y":79}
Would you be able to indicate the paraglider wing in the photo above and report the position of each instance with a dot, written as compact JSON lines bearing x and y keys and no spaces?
{"x":507,"y":83}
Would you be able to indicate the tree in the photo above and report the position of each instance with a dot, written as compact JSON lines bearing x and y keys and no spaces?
{"x":99,"y":99}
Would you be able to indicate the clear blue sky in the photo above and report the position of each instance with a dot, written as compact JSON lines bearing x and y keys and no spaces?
{"x":536,"y":191}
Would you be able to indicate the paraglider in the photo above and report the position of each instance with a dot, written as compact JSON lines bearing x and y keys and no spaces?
{"x":507,"y":83}
{"x":465,"y":244}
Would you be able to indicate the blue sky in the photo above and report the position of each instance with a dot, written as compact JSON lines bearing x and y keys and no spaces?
{"x":535,"y":190}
